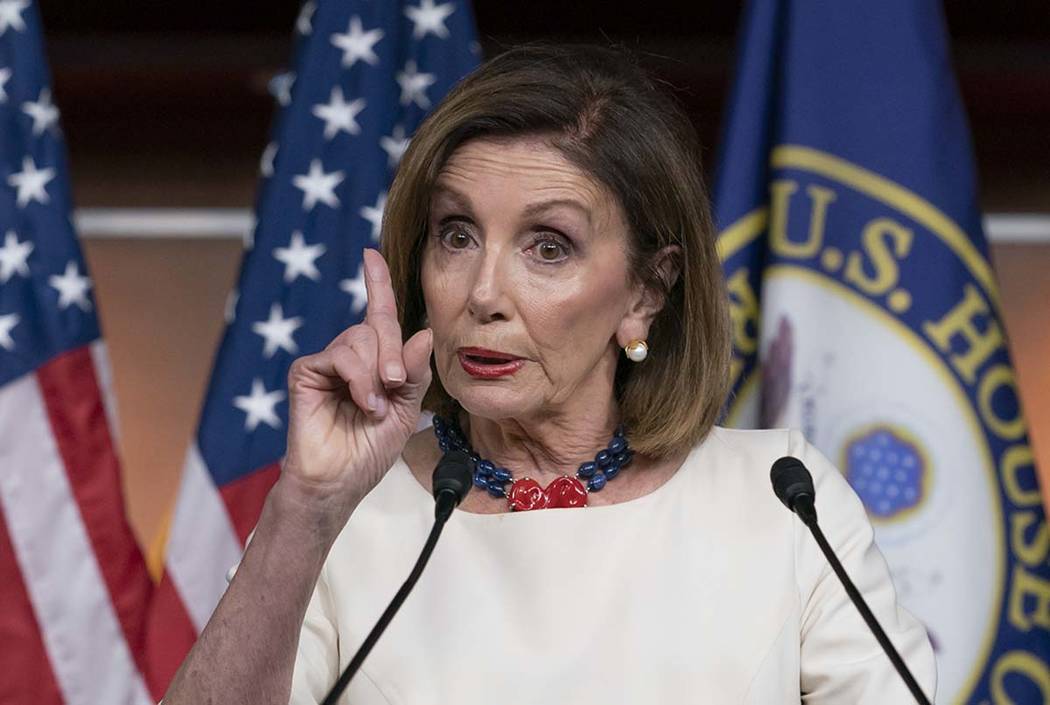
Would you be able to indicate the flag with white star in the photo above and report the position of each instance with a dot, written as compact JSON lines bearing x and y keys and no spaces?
{"x":364,"y":76}
{"x":74,"y":589}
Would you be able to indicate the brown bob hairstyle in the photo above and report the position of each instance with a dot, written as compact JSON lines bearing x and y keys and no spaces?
{"x":608,"y":118}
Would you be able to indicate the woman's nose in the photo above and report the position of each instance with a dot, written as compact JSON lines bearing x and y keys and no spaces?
{"x":488,"y":295}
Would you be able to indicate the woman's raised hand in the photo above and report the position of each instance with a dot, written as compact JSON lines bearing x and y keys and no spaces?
{"x":353,"y":406}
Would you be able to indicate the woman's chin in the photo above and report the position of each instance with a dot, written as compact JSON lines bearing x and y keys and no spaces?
{"x":491,"y":401}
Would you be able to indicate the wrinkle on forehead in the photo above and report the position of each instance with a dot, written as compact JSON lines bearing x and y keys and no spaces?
{"x":539,"y":169}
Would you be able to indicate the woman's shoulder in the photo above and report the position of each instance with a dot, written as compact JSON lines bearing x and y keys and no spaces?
{"x":748,"y":446}
{"x":742,"y":458}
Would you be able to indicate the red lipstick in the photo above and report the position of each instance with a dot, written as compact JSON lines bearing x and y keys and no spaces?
{"x":488,"y":364}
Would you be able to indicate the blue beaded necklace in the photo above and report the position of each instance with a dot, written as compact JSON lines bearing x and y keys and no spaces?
{"x":525,"y":493}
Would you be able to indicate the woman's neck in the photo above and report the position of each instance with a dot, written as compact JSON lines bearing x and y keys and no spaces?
{"x":541,"y":448}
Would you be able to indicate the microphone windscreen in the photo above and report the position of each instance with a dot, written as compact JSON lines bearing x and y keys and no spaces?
{"x":455,"y":473}
{"x":791,"y":479}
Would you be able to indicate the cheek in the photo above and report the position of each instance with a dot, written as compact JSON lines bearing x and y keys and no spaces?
{"x":439,"y":294}
{"x":445,"y":296}
{"x":577,"y":317}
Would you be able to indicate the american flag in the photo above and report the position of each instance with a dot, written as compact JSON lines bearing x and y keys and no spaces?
{"x":73,"y":585}
{"x":365,"y":74}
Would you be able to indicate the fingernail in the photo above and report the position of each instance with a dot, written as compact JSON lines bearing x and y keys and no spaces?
{"x":380,"y":406}
{"x":371,"y":401}
{"x":394,"y":373}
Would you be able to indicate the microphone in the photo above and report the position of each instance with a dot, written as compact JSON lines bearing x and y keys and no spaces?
{"x":793,"y":486}
{"x":452,"y":479}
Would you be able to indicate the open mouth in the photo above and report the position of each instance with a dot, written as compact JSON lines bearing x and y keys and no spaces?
{"x":488,"y":363}
{"x":481,"y":360}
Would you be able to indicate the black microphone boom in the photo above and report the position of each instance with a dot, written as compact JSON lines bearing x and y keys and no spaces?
{"x":793,"y":485}
{"x":453,"y":478}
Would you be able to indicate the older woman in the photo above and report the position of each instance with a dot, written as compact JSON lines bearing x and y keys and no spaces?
{"x":550,"y":289}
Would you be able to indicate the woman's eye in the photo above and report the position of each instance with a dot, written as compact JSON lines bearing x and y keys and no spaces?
{"x":551,"y":250}
{"x":548,"y":249}
{"x":455,"y":239}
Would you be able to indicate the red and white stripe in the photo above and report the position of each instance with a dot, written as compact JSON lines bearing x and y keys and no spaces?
{"x":203,"y":543}
{"x":208,"y":532}
{"x":75,"y":589}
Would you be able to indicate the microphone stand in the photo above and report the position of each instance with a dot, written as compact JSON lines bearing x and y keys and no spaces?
{"x":809,"y":518}
{"x":388,"y":614}
{"x":452,"y":479}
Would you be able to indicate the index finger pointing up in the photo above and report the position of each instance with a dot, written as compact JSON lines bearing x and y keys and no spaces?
{"x":381,"y":315}
{"x":381,"y":299}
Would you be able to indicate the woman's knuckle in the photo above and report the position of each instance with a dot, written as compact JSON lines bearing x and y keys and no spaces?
{"x":297,"y":368}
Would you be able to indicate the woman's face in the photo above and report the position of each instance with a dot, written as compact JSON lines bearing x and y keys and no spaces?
{"x":525,"y":256}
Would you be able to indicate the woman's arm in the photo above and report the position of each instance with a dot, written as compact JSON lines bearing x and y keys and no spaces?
{"x":247,"y":650}
{"x":351,"y":409}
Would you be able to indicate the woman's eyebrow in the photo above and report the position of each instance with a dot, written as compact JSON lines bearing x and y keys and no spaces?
{"x":457,"y":199}
{"x":535,"y":208}
{"x":460,"y":201}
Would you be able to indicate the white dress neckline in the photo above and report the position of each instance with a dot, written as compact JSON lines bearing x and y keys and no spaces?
{"x":403,"y":473}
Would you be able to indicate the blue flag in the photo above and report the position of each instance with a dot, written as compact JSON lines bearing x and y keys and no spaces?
{"x":365,"y":75}
{"x":865,"y":312}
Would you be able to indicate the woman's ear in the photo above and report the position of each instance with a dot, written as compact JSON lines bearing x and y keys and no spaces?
{"x":665,"y":268}
{"x":651,"y":294}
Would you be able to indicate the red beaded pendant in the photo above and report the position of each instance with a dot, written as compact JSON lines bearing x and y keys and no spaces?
{"x":563,"y":492}
{"x":566,"y":491}
{"x":526,"y":494}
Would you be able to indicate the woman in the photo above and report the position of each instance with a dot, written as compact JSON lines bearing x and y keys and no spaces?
{"x":549,"y":279}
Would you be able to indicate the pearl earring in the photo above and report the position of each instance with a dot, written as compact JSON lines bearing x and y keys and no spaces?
{"x":636,"y":350}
